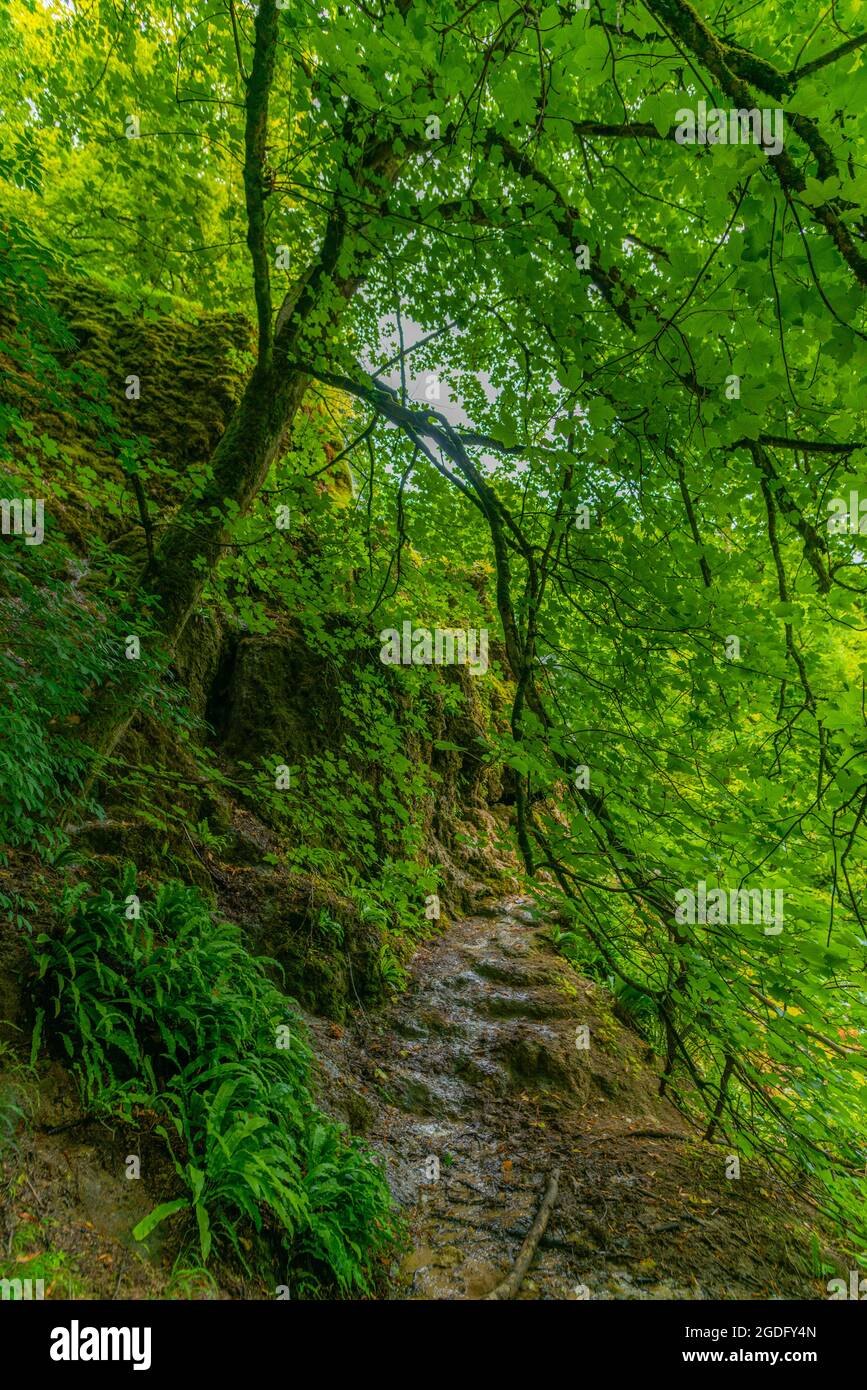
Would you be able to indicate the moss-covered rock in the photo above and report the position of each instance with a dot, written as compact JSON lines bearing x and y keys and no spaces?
{"x":197,"y":659}
{"x":273,"y":692}
{"x":329,"y":958}
{"x":190,"y":374}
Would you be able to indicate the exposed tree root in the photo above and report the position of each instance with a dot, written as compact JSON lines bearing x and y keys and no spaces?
{"x":513,"y":1281}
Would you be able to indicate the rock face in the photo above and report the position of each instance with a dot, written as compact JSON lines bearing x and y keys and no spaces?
{"x":190,"y":374}
{"x":256,"y":699}
{"x":252,"y":697}
{"x":272,"y":698}
{"x":329,"y":958}
{"x":197,"y":659}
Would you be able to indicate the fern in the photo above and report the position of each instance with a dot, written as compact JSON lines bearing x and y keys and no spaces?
{"x":170,"y":1012}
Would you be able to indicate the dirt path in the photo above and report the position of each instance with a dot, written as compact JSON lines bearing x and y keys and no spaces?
{"x":476,"y":1084}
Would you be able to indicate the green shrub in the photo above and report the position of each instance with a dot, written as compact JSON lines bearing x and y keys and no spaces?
{"x":170,"y":1013}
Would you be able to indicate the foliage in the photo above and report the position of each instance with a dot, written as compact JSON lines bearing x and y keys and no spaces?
{"x":168,"y":1018}
{"x":16,"y":1098}
{"x":599,"y":386}
{"x":57,"y":1272}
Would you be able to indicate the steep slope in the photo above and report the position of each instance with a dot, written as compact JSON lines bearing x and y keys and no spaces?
{"x":400,"y":789}
{"x":474,"y":1088}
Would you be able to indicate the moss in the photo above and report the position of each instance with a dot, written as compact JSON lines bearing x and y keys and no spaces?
{"x":191,"y":375}
{"x":535,"y":1064}
{"x":274,"y":698}
{"x":330,"y":969}
{"x":358,"y":1111}
{"x":198,"y":657}
{"x":340,"y":484}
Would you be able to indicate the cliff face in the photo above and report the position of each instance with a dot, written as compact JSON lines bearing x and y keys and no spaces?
{"x":392,"y":794}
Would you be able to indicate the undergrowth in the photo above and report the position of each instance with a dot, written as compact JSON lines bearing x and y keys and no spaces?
{"x":167,"y":1020}
{"x":33,"y":1268}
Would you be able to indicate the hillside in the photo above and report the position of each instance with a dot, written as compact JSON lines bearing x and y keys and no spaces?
{"x":433,"y":705}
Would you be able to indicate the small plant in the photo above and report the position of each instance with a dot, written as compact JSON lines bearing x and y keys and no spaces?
{"x":329,"y":927}
{"x":191,"y":1281}
{"x":208,"y":840}
{"x":51,"y":1273}
{"x":637,"y":1009}
{"x":16,"y":1101}
{"x":821,"y":1267}
{"x":393,"y":973}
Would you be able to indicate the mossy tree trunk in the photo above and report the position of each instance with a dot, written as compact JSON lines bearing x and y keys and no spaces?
{"x":172,"y":583}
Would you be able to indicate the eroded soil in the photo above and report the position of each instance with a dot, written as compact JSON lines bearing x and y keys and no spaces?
{"x":473,"y":1088}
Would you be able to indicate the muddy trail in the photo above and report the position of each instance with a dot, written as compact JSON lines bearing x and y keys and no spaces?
{"x":500,"y":1065}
